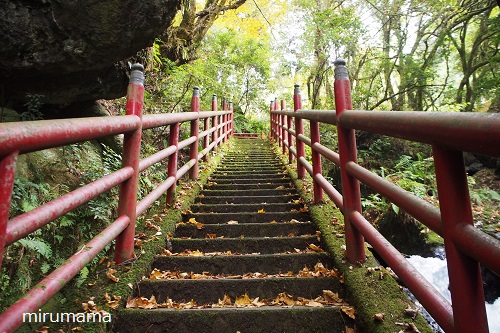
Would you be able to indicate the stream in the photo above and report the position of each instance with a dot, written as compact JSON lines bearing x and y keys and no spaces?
{"x":434,"y":269}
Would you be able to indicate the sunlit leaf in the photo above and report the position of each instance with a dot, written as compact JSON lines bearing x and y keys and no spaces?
{"x":349,"y":310}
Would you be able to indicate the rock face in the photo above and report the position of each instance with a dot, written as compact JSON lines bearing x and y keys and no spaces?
{"x":67,"y":51}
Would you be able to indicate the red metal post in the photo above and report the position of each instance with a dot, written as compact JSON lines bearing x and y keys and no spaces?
{"x":466,"y":284}
{"x":355,"y":246}
{"x":214,"y":120}
{"x":7,"y":174}
{"x":206,"y":125}
{"x":299,"y":129}
{"x":316,"y":161}
{"x":283,"y":131}
{"x":195,"y":131}
{"x":290,"y":140}
{"x":231,"y":119}
{"x":131,"y":156}
{"x":173,"y":140}
{"x":273,"y":117}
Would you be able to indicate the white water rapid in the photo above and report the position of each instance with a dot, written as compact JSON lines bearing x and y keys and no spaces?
{"x":436,"y":272}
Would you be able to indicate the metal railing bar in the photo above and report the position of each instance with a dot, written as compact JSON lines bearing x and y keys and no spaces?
{"x":420,"y":209}
{"x":24,"y":224}
{"x":37,"y":135}
{"x":437,"y":306}
{"x":55,"y":281}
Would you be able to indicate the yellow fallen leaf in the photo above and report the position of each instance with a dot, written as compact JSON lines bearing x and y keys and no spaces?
{"x":260,"y":211}
{"x":349,"y":310}
{"x":331,"y":297}
{"x":192,"y":220}
{"x":314,"y":304}
{"x":155,"y":274}
{"x":110,"y":275}
{"x":225,"y":301}
{"x":242,"y":300}
{"x":315,"y":248}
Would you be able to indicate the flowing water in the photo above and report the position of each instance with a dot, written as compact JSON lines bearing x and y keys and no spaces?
{"x":434,"y":269}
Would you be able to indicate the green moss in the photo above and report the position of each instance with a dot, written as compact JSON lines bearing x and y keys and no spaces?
{"x":371,"y":288}
{"x":70,"y":298}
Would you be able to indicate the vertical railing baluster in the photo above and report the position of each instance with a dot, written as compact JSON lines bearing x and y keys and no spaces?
{"x":206,"y":126}
{"x":7,"y":174}
{"x":316,"y":161}
{"x":273,"y":118}
{"x":194,"y":132}
{"x":214,"y":121}
{"x":131,"y":155}
{"x":290,"y":139}
{"x":299,"y":129}
{"x":231,"y":119}
{"x":173,"y":140}
{"x":283,"y":131}
{"x":466,"y":284}
{"x":355,"y":246}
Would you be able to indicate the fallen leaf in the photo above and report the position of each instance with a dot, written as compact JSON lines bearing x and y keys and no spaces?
{"x":192,"y":220}
{"x":379,"y":316}
{"x":225,"y":301}
{"x":43,"y":329}
{"x":199,"y":225}
{"x":284,"y":298}
{"x":242,"y":300}
{"x":261,"y":211}
{"x":411,"y":312}
{"x":316,"y":248}
{"x":348,"y":310}
{"x":232,"y":222}
{"x":332,"y":297}
{"x":411,"y":328}
{"x":155,"y":274}
{"x":314,"y":304}
{"x":110,"y":275}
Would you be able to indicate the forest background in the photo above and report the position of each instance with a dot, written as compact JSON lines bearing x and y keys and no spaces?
{"x":428,"y":55}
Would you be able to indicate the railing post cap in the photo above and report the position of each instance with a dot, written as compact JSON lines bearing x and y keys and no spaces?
{"x":296,"y":89}
{"x":137,"y":73}
{"x":339,"y":62}
{"x":196,"y":91}
{"x":341,"y":71}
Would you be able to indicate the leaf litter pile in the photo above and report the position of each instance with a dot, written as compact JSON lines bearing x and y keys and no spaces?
{"x":329,"y":298}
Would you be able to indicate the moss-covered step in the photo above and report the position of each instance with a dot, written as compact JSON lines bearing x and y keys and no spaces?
{"x":298,"y":319}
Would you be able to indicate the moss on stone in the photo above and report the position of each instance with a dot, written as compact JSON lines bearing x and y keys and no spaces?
{"x":371,"y":288}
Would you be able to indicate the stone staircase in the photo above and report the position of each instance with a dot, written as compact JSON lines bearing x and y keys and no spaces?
{"x":245,"y":259}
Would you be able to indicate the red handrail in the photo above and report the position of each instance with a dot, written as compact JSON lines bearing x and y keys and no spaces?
{"x":23,"y":137}
{"x":449,"y":134}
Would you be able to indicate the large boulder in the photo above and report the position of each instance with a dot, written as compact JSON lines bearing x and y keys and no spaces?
{"x":65,"y":51}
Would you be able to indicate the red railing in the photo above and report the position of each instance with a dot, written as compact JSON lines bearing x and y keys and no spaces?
{"x":449,"y":134}
{"x":23,"y":137}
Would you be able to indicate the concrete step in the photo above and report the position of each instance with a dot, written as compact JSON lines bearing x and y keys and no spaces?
{"x":245,"y":217}
{"x":246,"y":207}
{"x":251,"y":181}
{"x":206,"y":291}
{"x":247,"y":192}
{"x":232,"y":187}
{"x":246,"y":230}
{"x":299,"y":319}
{"x":239,"y":265}
{"x":266,"y":245}
{"x":247,"y":199}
